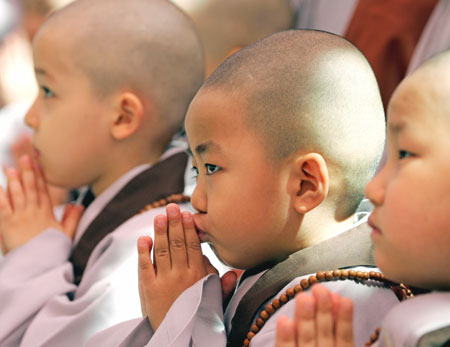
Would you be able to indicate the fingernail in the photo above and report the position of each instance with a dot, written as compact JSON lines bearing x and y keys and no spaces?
{"x":141,"y":242}
{"x":308,"y":306}
{"x":172,"y":210}
{"x":11,"y":172}
{"x":160,"y":221}
{"x":26,"y":159}
{"x":187,"y":217}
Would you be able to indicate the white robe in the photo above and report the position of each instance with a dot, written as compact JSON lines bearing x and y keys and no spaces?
{"x":196,"y":317}
{"x":412,"y":322}
{"x":36,"y":281}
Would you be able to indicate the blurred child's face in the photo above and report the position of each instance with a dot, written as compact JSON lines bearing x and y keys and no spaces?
{"x":242,"y":198}
{"x":70,"y":129}
{"x":411,"y":194}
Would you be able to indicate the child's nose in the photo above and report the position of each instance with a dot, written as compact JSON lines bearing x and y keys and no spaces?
{"x":375,"y":188}
{"x":31,"y":118}
{"x":198,"y":199}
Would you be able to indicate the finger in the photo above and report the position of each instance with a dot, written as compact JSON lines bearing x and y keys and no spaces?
{"x":193,"y":246}
{"x":15,"y":190}
{"x":5,"y":206}
{"x":228,"y":282}
{"x":71,"y":218}
{"x":144,"y":246}
{"x":285,"y":333}
{"x":28,"y":181}
{"x":146,"y":271}
{"x":161,"y":252}
{"x":177,"y":243}
{"x":142,"y":298}
{"x":210,"y":269}
{"x":335,"y":300}
{"x":304,"y":320}
{"x":344,"y":325}
{"x":3,"y":248}
{"x":324,"y":316}
{"x":41,"y":184}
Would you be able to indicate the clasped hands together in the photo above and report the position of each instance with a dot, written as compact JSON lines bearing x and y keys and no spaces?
{"x":26,"y":209}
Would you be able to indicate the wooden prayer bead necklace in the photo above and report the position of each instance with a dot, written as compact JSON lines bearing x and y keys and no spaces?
{"x":322,"y":276}
{"x":175,"y":198}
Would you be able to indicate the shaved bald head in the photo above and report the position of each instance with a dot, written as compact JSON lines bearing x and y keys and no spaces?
{"x":224,"y":25}
{"x":310,"y":91}
{"x":427,"y":86}
{"x":147,"y":46}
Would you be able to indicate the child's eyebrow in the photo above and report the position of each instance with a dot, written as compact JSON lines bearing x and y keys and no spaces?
{"x":207,"y":147}
{"x":40,"y":71}
{"x":395,"y":128}
{"x":204,"y":147}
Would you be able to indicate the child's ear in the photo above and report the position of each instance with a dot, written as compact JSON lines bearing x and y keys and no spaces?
{"x":312,"y":182}
{"x":128,"y":116}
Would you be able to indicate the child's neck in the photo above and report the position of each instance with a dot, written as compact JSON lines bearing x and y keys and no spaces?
{"x":119,"y":166}
{"x":318,"y":227}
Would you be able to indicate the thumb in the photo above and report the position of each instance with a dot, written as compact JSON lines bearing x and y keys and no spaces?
{"x":210,"y":269}
{"x":228,"y":282}
{"x":70,"y":219}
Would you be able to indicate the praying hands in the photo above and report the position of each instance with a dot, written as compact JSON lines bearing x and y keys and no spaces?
{"x":178,"y":263}
{"x":322,"y":319}
{"x":26,"y":209}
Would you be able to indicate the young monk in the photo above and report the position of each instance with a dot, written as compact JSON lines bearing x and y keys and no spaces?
{"x":115,"y":81}
{"x":227,"y":26}
{"x":284,"y":134}
{"x":410,"y":221}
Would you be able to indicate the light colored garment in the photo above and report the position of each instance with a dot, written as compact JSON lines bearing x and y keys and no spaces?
{"x":40,"y":305}
{"x":195,"y":318}
{"x":435,"y":37}
{"x":418,"y":322}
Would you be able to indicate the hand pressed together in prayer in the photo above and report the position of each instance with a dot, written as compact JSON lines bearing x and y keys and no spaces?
{"x":26,"y":209}
{"x":178,"y":264}
{"x":322,"y":319}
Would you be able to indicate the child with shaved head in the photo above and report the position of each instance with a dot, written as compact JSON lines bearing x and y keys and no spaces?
{"x":227,"y":26}
{"x":410,"y":221}
{"x":285,"y":134}
{"x":115,"y":81}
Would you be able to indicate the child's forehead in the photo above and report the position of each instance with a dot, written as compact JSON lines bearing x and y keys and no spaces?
{"x":217,"y":107}
{"x":420,"y":97}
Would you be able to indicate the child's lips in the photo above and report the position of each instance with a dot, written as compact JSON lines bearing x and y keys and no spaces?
{"x":375,"y":230}
{"x":202,"y":235}
{"x":36,"y":152}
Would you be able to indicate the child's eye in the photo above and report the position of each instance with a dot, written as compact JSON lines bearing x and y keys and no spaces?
{"x":195,"y":170}
{"x":211,"y":169}
{"x":402,"y":154}
{"x":47,"y":92}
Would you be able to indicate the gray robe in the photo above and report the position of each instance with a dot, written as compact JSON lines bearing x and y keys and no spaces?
{"x":41,"y":305}
{"x":195,"y":318}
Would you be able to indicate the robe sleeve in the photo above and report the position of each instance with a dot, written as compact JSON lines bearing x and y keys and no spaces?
{"x":29,"y":276}
{"x":194,"y":319}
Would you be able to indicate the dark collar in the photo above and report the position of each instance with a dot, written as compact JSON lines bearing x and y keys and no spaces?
{"x":161,"y":180}
{"x":349,"y":249}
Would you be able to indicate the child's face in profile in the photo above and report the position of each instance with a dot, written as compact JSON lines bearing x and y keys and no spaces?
{"x":411,"y":194}
{"x":242,"y":199}
{"x":70,"y":131}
